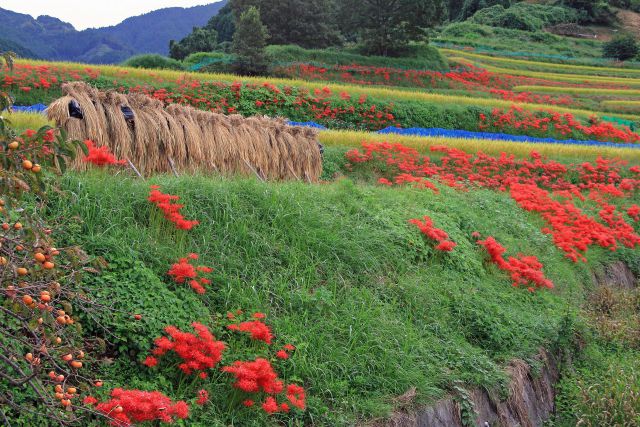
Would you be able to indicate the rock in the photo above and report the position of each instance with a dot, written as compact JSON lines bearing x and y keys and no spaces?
{"x":530,"y":402}
{"x":616,"y":275}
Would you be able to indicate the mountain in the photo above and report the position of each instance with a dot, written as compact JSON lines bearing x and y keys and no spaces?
{"x":50,"y":38}
{"x":10,"y":46}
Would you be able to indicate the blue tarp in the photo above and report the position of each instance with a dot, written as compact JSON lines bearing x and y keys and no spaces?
{"x":38,"y":108}
{"x":499,"y":136}
{"x":308,"y":124}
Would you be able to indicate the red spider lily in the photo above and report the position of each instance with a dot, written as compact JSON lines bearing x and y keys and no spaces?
{"x":296,"y":396}
{"x":524,"y":270}
{"x":101,"y":156}
{"x":199,"y":351}
{"x":127,"y":407}
{"x":183,"y":271}
{"x":203,"y":397}
{"x":535,"y":184}
{"x":270,"y":405}
{"x":171,"y":210}
{"x":281,"y":354}
{"x":258,"y":330}
{"x":255,"y":376}
{"x":426,"y":227}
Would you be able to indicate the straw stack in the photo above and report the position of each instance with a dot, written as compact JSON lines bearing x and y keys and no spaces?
{"x":175,"y":138}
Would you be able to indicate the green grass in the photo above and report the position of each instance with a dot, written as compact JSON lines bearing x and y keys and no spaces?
{"x":425,"y":58}
{"x":534,"y":43}
{"x":371,"y":306}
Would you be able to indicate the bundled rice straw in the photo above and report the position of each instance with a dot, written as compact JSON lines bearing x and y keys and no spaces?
{"x":190,"y":139}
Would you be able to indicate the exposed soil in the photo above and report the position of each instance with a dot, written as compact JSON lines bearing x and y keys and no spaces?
{"x":530,"y":402}
{"x":616,"y":275}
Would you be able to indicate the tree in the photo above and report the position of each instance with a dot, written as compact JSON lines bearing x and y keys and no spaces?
{"x":622,"y":48}
{"x":200,"y":40}
{"x":386,"y":27}
{"x":307,"y":23}
{"x":591,"y":11}
{"x":249,"y":42}
{"x":223,"y":23}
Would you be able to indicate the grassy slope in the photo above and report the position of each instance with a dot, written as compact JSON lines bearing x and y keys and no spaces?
{"x":371,"y":306}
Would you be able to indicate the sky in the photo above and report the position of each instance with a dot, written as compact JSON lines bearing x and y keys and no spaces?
{"x":93,"y":13}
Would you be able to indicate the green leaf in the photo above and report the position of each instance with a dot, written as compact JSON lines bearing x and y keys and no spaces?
{"x":62,"y":164}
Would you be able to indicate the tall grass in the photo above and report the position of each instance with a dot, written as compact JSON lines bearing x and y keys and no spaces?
{"x":372,"y":308}
{"x":23,"y":121}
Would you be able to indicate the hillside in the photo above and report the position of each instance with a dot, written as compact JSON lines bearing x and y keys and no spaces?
{"x":21,"y":51}
{"x":50,"y":38}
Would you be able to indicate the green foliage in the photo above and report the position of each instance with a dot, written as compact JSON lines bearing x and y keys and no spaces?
{"x":531,"y":43}
{"x":524,"y":16}
{"x":622,"y":48}
{"x":470,"y":7}
{"x":372,"y":308}
{"x":200,"y":40}
{"x":603,"y":391}
{"x":307,"y":23}
{"x":151,"y":61}
{"x":21,"y":51}
{"x":249,"y":42}
{"x":591,"y":11}
{"x":386,"y":28}
{"x":420,"y":57}
{"x":224,"y":24}
{"x":210,"y":62}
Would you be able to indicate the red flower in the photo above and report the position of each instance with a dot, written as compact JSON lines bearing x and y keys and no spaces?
{"x":296,"y":396}
{"x":258,"y":330}
{"x":270,"y":405}
{"x":248,"y":403}
{"x":255,"y":376}
{"x":101,"y":156}
{"x":90,"y":400}
{"x":135,"y":406}
{"x":203,"y":397}
{"x":150,"y":361}
{"x":198,"y":351}
{"x":281,"y":354}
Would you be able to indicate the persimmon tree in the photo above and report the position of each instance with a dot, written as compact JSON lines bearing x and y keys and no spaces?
{"x":42,"y":360}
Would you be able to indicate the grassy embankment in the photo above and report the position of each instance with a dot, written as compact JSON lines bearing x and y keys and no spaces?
{"x":373,"y":309}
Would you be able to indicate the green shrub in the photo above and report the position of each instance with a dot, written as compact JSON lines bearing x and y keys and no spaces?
{"x":200,"y":57}
{"x":153,"y":62}
{"x":524,"y":16}
{"x":622,"y":48}
{"x":420,"y":57}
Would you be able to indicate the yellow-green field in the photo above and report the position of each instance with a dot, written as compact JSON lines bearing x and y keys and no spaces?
{"x":518,"y":64}
{"x":381,"y":93}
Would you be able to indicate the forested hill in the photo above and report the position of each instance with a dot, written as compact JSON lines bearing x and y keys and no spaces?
{"x":50,"y":38}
